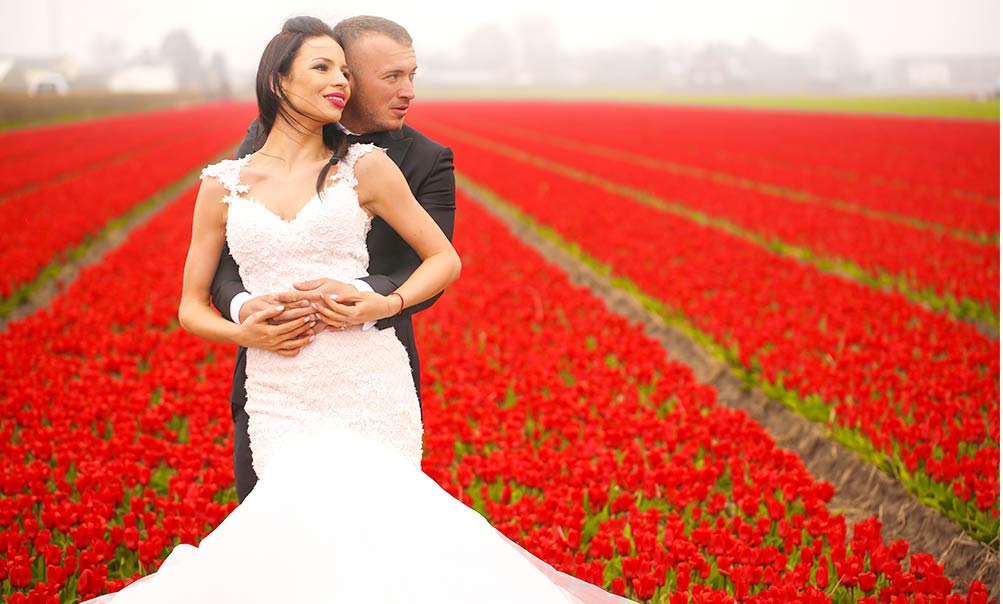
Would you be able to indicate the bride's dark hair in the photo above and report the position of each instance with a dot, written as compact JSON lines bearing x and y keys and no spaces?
{"x":272,"y":101}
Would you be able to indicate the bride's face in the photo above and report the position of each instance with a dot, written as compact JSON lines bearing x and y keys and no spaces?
{"x":317,"y":84}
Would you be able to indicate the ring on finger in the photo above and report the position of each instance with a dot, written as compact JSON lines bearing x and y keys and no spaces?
{"x":343,"y":324}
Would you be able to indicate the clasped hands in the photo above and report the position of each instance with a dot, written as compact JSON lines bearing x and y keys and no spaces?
{"x":285,"y":322}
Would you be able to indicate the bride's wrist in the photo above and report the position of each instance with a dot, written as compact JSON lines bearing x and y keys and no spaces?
{"x":395,"y":304}
{"x":237,"y":334}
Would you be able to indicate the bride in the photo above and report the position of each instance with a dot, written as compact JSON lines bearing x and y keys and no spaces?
{"x":342,"y":511}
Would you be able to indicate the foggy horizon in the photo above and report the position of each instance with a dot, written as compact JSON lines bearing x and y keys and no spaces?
{"x":239,"y":30}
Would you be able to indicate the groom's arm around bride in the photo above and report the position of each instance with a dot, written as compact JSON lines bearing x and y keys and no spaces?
{"x":382,"y":61}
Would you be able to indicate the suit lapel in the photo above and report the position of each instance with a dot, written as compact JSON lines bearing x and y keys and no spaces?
{"x":397,"y":145}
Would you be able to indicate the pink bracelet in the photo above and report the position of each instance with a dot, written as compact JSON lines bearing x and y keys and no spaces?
{"x":402,"y":301}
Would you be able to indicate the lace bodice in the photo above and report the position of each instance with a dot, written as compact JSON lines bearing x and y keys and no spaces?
{"x":327,"y":237}
{"x":357,"y":380}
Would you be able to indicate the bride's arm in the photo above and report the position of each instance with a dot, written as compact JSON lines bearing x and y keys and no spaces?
{"x":384,"y":192}
{"x":194,"y":313}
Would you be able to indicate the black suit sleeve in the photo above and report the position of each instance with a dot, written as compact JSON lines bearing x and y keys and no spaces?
{"x":250,"y":143}
{"x":438,"y":196}
{"x":226,"y":282}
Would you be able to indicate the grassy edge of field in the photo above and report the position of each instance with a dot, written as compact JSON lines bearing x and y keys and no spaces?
{"x":919,"y":106}
{"x":37,"y":111}
{"x":18,"y":110}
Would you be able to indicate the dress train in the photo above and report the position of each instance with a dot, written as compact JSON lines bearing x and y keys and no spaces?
{"x":367,"y":526}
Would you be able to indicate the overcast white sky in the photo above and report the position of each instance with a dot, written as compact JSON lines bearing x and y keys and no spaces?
{"x":240,"y":28}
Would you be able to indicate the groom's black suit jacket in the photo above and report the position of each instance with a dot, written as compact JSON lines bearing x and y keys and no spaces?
{"x":428,"y":169}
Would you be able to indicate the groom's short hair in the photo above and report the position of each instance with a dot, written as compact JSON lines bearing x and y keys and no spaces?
{"x":353,"y":28}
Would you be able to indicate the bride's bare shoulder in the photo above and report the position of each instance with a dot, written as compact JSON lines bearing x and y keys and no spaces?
{"x":378,"y":177}
{"x":212,"y":188}
{"x":374,"y":167}
{"x":214,"y":194}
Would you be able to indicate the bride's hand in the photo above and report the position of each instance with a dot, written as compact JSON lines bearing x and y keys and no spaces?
{"x":356,"y":308}
{"x":285,"y":338}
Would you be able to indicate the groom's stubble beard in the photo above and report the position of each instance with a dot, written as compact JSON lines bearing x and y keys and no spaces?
{"x":363,"y":120}
{"x":362,"y":117}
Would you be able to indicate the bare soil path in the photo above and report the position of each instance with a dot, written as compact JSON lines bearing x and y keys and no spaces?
{"x":862,"y":490}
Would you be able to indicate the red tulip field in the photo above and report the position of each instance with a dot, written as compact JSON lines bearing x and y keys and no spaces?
{"x":50,"y":202}
{"x":845,"y":266}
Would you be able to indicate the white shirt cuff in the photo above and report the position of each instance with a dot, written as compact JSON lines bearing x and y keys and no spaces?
{"x":362,"y":286}
{"x":236,"y":304}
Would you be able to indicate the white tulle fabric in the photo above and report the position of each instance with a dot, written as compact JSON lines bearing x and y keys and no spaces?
{"x":341,"y":511}
{"x":365,"y":526}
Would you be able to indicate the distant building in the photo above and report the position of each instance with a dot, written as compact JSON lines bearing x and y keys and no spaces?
{"x":156,"y":77}
{"x":716,"y":66}
{"x":977,"y":75}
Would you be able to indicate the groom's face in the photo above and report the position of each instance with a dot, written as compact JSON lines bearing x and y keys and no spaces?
{"x":382,"y":84}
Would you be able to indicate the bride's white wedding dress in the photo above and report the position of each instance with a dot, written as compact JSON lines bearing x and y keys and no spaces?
{"x":341,"y":511}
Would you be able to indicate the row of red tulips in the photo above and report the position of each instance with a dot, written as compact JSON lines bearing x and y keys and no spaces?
{"x":36,"y":156}
{"x":939,"y":171}
{"x":42,"y":224}
{"x":914,"y":391}
{"x":956,"y":273}
{"x":556,"y":418}
{"x":42,"y":140}
{"x":571,"y":431}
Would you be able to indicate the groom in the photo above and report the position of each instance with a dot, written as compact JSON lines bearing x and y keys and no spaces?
{"x":382,"y":62}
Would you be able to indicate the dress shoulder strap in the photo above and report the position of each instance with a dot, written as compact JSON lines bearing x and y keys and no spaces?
{"x":227,"y":172}
{"x":346,"y":167}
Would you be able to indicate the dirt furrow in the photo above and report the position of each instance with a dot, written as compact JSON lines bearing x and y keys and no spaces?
{"x":862,"y":489}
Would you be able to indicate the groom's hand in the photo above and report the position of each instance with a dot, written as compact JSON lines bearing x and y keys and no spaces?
{"x":319,"y":290}
{"x":285,"y":332}
{"x":297,"y":306}
{"x":285,"y":339}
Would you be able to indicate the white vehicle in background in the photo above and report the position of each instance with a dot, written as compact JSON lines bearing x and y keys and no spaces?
{"x":46,"y":83}
{"x":38,"y":76}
